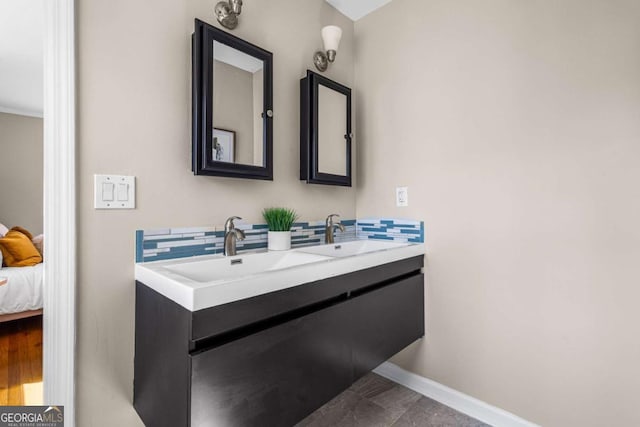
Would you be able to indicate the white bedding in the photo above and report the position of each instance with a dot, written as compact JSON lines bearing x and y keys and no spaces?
{"x":23,"y":290}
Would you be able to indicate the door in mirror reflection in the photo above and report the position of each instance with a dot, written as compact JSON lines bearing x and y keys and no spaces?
{"x":238,"y":103}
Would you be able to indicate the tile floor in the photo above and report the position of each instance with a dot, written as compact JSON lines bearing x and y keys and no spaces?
{"x":374,"y":401}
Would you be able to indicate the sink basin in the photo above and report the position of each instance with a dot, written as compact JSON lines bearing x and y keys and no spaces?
{"x":216,"y":269}
{"x":211,"y":280}
{"x":346,"y":249}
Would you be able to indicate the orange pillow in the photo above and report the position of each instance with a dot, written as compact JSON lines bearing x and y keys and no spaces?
{"x":18,"y":250}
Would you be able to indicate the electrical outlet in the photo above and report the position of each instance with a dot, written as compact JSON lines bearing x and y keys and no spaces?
{"x":402,"y":196}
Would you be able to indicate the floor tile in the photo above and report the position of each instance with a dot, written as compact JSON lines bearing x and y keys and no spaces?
{"x":333,"y":411}
{"x":374,"y":401}
{"x":397,"y":400}
{"x":428,"y":412}
{"x":372,"y":385}
{"x":366,"y":414}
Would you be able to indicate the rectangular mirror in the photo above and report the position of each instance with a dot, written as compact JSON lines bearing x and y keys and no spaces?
{"x":332,"y":155}
{"x":232,"y":106}
{"x":238,"y":102}
{"x":325,"y":131}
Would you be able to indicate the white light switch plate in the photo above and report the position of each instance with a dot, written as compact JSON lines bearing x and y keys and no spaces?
{"x":402,"y":196}
{"x":114,"y":192}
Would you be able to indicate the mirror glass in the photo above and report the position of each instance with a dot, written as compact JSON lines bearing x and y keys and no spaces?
{"x":237,"y":90}
{"x":332,"y":144}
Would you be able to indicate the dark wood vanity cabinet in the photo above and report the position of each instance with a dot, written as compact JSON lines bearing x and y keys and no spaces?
{"x":297,"y":349}
{"x":276,"y":376}
{"x":386,"y":321}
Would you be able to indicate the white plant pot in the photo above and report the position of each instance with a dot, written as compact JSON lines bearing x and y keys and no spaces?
{"x":279,"y":240}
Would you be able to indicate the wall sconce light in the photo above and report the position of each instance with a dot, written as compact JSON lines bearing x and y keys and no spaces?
{"x":331,"y":36}
{"x":227,"y":13}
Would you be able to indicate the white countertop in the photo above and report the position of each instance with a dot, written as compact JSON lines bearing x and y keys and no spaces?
{"x":194,"y":295}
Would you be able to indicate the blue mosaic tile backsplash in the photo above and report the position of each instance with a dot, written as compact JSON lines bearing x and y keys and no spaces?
{"x":397,"y":230}
{"x":171,"y":243}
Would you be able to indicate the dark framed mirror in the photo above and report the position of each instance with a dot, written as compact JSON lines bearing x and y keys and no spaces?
{"x":232,"y":113}
{"x":325,"y":131}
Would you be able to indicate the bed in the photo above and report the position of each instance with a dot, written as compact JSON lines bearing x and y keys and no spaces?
{"x":21,"y":294}
{"x":21,"y":288}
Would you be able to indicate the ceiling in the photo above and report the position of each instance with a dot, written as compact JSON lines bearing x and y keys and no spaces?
{"x":236,"y":58}
{"x":356,"y":9}
{"x":21,"y":56}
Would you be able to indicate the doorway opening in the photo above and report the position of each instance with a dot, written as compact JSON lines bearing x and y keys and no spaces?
{"x":58,"y":316}
{"x":22,"y":24}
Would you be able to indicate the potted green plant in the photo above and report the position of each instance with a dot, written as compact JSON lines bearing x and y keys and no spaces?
{"x":279,"y":221}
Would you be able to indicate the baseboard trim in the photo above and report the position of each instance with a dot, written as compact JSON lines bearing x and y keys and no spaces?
{"x":459,"y":401}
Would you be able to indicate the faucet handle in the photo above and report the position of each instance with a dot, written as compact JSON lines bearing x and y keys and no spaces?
{"x":330,"y":218}
{"x":228,"y":225}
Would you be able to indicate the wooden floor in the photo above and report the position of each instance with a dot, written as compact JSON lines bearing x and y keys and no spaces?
{"x":20,"y":361}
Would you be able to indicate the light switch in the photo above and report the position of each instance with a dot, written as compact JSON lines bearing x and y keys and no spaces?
{"x":107,"y":191}
{"x":115,"y":192}
{"x":123,"y":192}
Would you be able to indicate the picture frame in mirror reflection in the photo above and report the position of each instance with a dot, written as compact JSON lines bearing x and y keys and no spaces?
{"x":224,"y":145}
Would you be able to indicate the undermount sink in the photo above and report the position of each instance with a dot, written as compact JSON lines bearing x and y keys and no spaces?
{"x":345,"y":249}
{"x":212,"y":270}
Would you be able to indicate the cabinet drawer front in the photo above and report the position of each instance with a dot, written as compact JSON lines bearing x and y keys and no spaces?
{"x":274,"y":377}
{"x":386,"y":320}
{"x":221,"y":319}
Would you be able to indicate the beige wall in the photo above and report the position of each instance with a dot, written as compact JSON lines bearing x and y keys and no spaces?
{"x":515,"y":125}
{"x":134,"y":118}
{"x":21,"y":178}
{"x":233,"y":107}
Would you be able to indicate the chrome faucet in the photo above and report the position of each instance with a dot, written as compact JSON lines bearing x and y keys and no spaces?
{"x":329,"y":226}
{"x":231,"y":235}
